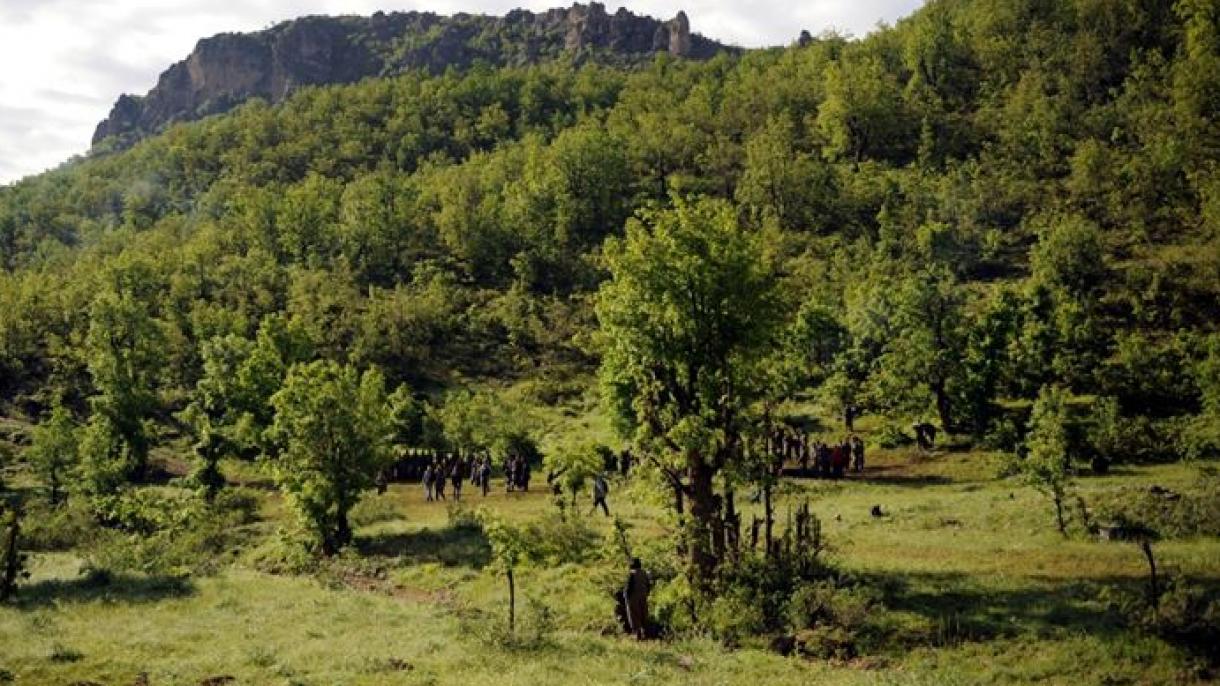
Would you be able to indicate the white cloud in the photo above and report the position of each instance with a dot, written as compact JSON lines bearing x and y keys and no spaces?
{"x":66,"y":61}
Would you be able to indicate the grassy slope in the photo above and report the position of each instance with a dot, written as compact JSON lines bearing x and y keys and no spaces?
{"x":980,"y":588}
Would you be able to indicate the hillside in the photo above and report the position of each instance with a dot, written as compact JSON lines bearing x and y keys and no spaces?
{"x":226,"y":70}
{"x":897,"y":358}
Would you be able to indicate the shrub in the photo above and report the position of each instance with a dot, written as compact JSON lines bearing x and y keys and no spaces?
{"x":534,"y":627}
{"x":173,"y":534}
{"x":831,"y":620}
{"x":374,"y":509}
{"x":59,"y":528}
{"x":283,"y":554}
{"x":735,"y":616}
{"x":1184,"y":615}
{"x":1193,"y":512}
{"x":891,"y":436}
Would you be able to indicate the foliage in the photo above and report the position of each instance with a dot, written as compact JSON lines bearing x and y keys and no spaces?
{"x":1047,"y":464}
{"x":332,"y":428}
{"x":123,"y":355}
{"x":53,"y":451}
{"x":690,"y":317}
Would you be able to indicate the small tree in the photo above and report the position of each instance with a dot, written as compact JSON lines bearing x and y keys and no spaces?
{"x":12,"y":560}
{"x":575,"y":465}
{"x":509,"y":545}
{"x":54,"y":450}
{"x":1046,"y":466}
{"x":332,"y":429}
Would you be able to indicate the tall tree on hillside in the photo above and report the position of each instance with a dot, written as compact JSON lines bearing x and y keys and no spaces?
{"x":689,"y":317}
{"x":124,"y":356}
{"x":332,"y":429}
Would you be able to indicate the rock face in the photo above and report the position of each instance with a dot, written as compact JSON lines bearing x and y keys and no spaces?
{"x":230,"y":68}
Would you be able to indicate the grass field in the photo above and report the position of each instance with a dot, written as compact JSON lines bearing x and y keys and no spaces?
{"x":977,"y":585}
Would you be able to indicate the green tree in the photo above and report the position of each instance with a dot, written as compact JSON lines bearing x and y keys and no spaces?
{"x":124,"y":354}
{"x":54,"y":450}
{"x":690,"y":317}
{"x":509,"y":548}
{"x":332,"y":429}
{"x":1047,"y":465}
{"x":784,"y":183}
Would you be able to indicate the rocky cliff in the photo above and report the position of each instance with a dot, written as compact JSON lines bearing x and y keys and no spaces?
{"x":227,"y":69}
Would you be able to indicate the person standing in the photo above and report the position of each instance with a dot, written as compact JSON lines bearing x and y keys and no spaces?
{"x":455,"y":477}
{"x":485,"y":475}
{"x":438,"y":481}
{"x":429,"y":476}
{"x":857,"y":445}
{"x":635,"y":593}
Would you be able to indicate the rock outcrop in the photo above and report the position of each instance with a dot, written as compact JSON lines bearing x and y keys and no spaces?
{"x":228,"y":69}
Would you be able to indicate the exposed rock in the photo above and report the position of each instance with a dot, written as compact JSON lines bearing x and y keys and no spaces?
{"x":228,"y":69}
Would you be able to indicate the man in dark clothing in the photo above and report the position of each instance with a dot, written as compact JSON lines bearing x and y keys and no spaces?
{"x":635,"y":593}
{"x":438,"y":481}
{"x":429,"y":477}
{"x":485,"y":475}
{"x":624,"y":463}
{"x":525,"y":475}
{"x":455,"y":476}
{"x":600,"y":490}
{"x":857,"y":445}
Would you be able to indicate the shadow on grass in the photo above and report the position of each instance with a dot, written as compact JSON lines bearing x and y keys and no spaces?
{"x":885,"y":477}
{"x":451,"y":546}
{"x":105,"y":587}
{"x":961,"y":609}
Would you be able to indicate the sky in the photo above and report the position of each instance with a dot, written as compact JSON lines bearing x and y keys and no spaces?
{"x":63,"y":63}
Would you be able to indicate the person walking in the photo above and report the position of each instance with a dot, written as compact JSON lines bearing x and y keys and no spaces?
{"x":600,"y":490}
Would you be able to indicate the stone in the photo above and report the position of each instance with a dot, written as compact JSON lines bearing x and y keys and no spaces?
{"x":228,"y":69}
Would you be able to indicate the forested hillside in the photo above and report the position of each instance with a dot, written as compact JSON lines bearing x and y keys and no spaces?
{"x":248,"y":364}
{"x":979,"y":201}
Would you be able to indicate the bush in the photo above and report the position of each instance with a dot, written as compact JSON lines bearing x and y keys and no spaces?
{"x":890,"y":436}
{"x":373,"y":509}
{"x":830,"y":620}
{"x":68,"y":526}
{"x":1193,"y":512}
{"x":1184,"y":615}
{"x":735,"y":616}
{"x":535,"y":627}
{"x":284,"y":554}
{"x":462,"y":517}
{"x":671,"y":603}
{"x":173,"y":534}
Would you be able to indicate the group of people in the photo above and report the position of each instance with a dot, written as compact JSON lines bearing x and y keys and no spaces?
{"x":824,"y":460}
{"x":452,"y":471}
{"x":456,"y":470}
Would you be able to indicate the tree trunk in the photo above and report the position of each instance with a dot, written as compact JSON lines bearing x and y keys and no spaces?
{"x":12,"y":558}
{"x":702,"y":513}
{"x":732,"y":522}
{"x":1153,"y":589}
{"x":768,"y":520}
{"x":512,"y":602}
{"x":1059,"y":514}
{"x":944,"y":407}
{"x":680,"y":508}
